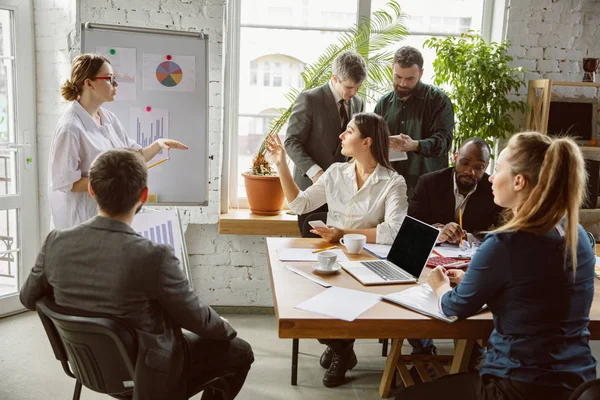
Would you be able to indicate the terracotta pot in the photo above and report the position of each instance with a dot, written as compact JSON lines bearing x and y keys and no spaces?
{"x":265,"y":195}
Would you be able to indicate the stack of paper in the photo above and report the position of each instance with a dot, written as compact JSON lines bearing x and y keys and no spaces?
{"x":453,"y":251}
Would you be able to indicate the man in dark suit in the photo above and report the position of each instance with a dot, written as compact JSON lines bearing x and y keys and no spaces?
{"x":441,"y":195}
{"x":104,"y":267}
{"x":318,"y":118}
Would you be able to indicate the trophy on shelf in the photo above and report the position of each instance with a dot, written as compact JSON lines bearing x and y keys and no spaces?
{"x":590,"y":65}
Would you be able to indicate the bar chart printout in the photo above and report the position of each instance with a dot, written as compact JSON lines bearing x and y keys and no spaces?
{"x":159,"y":227}
{"x":148,"y":126}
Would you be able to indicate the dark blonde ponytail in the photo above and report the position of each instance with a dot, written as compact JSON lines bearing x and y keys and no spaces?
{"x":555,"y":171}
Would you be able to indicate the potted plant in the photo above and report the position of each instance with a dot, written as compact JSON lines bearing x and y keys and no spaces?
{"x":479,"y":79}
{"x":369,"y":38}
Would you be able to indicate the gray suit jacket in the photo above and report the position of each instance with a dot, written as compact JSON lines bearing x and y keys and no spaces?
{"x":103,"y":266}
{"x":313,"y":130}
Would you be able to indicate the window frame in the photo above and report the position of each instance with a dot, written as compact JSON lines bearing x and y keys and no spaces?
{"x":493,"y":26}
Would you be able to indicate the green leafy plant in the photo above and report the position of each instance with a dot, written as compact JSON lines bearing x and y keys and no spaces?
{"x":479,"y":80}
{"x":369,"y":38}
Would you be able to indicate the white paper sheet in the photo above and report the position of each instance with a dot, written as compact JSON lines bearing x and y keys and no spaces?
{"x":300,"y":254}
{"x":123,"y":63}
{"x":147,"y":126}
{"x":397,"y":155}
{"x":421,"y":299}
{"x":449,"y":250}
{"x":378,"y":250}
{"x":177,"y":74}
{"x":160,"y":227}
{"x":337,"y":302}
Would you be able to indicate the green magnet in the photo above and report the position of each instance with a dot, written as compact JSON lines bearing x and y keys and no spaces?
{"x":112,"y":51}
{"x":29,"y":160}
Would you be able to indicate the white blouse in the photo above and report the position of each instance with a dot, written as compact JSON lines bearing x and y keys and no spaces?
{"x":381,"y":202}
{"x":76,"y":142}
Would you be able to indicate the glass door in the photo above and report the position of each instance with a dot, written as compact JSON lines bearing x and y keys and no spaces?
{"x":19,"y":220}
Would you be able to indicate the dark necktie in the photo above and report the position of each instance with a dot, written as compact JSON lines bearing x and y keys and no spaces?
{"x":343,"y":115}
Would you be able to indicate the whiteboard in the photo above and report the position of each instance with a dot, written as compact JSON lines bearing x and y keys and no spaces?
{"x":180,"y":102}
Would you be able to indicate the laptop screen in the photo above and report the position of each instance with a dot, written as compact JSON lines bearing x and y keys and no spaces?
{"x":413,"y":245}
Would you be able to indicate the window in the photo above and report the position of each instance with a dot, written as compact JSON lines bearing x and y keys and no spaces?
{"x":279,"y":37}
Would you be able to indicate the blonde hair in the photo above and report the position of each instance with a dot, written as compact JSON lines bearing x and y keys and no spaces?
{"x":554,"y":169}
{"x":84,"y":66}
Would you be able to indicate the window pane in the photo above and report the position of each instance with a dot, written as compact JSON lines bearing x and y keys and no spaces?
{"x":440,"y":16}
{"x":333,"y":14}
{"x":8,"y":157}
{"x":9,"y":255}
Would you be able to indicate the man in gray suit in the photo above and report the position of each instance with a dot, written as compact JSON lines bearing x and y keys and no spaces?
{"x":318,"y":118}
{"x":104,"y":267}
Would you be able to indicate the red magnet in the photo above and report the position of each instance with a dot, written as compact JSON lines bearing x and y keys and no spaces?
{"x":168,"y":57}
{"x":148,"y":108}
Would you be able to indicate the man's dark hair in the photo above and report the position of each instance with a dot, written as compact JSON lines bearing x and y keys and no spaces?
{"x":479,"y":142}
{"x":118,"y":178}
{"x":374,"y":126}
{"x":349,"y":65}
{"x":407,"y":56}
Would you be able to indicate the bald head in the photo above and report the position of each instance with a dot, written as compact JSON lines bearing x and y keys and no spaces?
{"x":471,"y":160}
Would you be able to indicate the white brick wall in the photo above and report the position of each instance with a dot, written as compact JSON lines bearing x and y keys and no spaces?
{"x":549,"y":38}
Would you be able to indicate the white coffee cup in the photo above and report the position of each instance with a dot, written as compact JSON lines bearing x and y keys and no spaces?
{"x":327,"y":259}
{"x":354,"y":242}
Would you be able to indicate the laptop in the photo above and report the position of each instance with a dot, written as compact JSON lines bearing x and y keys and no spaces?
{"x":405,"y":261}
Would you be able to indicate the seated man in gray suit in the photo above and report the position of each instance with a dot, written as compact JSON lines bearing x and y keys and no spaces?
{"x":104,"y":267}
{"x":318,"y":117}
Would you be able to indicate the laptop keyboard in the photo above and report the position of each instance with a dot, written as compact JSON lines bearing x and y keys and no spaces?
{"x":386,"y":271}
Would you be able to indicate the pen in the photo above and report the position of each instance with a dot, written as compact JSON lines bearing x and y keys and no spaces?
{"x":326,"y":248}
{"x":437,"y":253}
{"x":460,"y":223}
{"x":158,"y":162}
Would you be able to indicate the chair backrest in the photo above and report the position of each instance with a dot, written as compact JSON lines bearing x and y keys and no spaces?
{"x":101,"y":350}
{"x":589,"y":390}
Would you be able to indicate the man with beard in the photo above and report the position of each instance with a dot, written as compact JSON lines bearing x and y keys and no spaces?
{"x":420,"y":118}
{"x":103,"y":267}
{"x":440,"y":196}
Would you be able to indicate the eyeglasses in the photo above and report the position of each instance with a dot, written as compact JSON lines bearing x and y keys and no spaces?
{"x":110,"y":78}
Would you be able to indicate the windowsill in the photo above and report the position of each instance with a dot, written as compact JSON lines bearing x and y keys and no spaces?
{"x":243,"y":222}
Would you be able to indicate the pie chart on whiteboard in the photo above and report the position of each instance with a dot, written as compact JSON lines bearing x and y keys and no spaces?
{"x":169,"y":74}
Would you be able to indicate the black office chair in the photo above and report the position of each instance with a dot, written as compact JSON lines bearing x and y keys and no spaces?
{"x":101,"y":351}
{"x":589,"y":390}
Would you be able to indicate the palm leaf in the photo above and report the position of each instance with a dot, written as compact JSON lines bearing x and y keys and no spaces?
{"x":368,"y":38}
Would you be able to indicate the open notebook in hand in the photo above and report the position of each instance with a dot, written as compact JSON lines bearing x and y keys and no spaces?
{"x":421,"y":299}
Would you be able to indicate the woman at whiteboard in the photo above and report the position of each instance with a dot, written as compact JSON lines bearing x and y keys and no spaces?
{"x":84,"y":131}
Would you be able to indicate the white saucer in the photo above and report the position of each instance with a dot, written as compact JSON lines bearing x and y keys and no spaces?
{"x":336,"y":267}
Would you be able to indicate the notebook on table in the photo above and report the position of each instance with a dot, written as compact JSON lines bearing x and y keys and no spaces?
{"x":405,"y":261}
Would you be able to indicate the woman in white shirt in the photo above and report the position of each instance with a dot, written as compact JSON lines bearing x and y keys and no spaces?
{"x":84,"y":131}
{"x":364,"y":195}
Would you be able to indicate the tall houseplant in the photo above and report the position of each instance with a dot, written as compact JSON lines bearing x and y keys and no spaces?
{"x":480,"y":79}
{"x":369,"y":38}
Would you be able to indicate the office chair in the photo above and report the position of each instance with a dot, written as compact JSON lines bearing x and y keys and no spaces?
{"x":589,"y":390}
{"x":101,"y":351}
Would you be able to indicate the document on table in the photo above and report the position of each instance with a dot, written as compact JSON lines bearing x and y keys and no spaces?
{"x":421,"y":299}
{"x":378,"y":250}
{"x":337,"y":302}
{"x":453,"y":251}
{"x":299,"y":254}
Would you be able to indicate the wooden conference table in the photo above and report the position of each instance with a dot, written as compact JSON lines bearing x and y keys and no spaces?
{"x":384,"y":320}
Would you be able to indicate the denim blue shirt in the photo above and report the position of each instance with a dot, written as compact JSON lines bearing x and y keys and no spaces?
{"x":541,"y":314}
